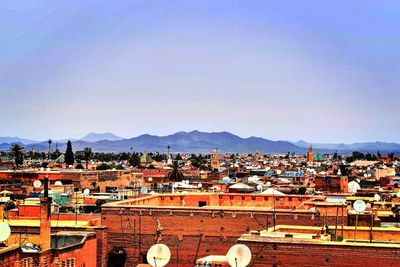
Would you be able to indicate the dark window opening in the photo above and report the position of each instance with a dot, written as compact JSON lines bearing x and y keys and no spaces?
{"x":202,"y":203}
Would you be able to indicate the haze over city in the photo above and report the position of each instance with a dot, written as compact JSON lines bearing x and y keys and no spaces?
{"x":322,"y":71}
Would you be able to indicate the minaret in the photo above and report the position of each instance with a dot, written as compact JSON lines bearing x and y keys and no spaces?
{"x":310,"y":155}
{"x":45,"y":223}
{"x":215,"y":160}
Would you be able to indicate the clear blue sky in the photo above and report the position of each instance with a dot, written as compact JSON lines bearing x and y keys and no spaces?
{"x":323,"y":71}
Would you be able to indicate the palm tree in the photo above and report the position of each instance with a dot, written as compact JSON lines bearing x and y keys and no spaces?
{"x":18,"y":154}
{"x":87,"y":151}
{"x":49,"y":146}
{"x":175,"y":174}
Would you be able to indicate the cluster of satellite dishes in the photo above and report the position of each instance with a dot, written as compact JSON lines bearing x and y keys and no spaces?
{"x":238,"y":255}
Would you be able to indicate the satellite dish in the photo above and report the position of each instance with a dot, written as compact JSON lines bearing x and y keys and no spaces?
{"x":150,"y":179}
{"x":377,"y":197}
{"x":37,"y":184}
{"x":86,"y":192}
{"x":278,"y":172}
{"x":199,"y":185}
{"x":239,"y":256}
{"x":144,"y":190}
{"x":158,"y":255}
{"x":259,"y":187}
{"x":359,"y":206}
{"x":48,"y":169}
{"x":5,"y":231}
{"x":59,"y":183}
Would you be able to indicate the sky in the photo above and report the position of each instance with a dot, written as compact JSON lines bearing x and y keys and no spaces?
{"x":321,"y":71}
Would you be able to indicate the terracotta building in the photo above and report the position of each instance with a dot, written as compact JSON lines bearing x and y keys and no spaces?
{"x":193,"y":225}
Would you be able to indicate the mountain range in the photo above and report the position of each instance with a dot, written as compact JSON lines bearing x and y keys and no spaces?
{"x":366,"y":146}
{"x":196,"y":142}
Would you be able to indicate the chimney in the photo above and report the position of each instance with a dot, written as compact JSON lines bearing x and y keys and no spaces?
{"x":45,"y":213}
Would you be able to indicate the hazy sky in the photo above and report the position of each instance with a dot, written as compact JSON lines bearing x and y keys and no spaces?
{"x":323,"y":71}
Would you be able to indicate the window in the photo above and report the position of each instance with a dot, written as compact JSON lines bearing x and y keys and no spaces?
{"x":68,"y":263}
{"x":26,"y":262}
{"x":202,"y":203}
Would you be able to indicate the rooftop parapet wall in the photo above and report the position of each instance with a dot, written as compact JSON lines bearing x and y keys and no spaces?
{"x":223,"y":200}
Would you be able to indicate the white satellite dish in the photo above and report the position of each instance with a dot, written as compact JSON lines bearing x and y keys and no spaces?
{"x":37,"y":184}
{"x":144,"y":190}
{"x":278,"y":172}
{"x":58,"y":183}
{"x":359,"y":206}
{"x":150,"y":179}
{"x":158,"y":255}
{"x":5,"y":231}
{"x":48,"y":169}
{"x":259,"y":187}
{"x":199,"y":185}
{"x":239,"y":256}
{"x":86,"y":192}
{"x":377,"y":197}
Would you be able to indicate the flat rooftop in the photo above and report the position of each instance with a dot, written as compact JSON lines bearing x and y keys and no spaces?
{"x":381,"y":237}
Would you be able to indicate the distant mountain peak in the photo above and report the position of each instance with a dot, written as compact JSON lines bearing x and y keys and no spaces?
{"x":94,"y":137}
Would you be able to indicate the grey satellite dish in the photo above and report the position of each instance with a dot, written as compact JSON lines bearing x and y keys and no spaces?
{"x":359,"y":206}
{"x":5,"y":231}
{"x":86,"y":192}
{"x":37,"y":184}
{"x":144,"y":190}
{"x":158,"y":255}
{"x":239,"y":256}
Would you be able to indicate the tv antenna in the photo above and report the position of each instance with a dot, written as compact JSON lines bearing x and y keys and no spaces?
{"x":239,"y":256}
{"x":158,"y":255}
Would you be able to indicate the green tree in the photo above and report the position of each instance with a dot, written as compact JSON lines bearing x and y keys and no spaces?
{"x":69,"y":154}
{"x":9,"y":205}
{"x":18,"y":154}
{"x":99,"y":202}
{"x":87,"y":151}
{"x":134,"y":159}
{"x":175,"y":174}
